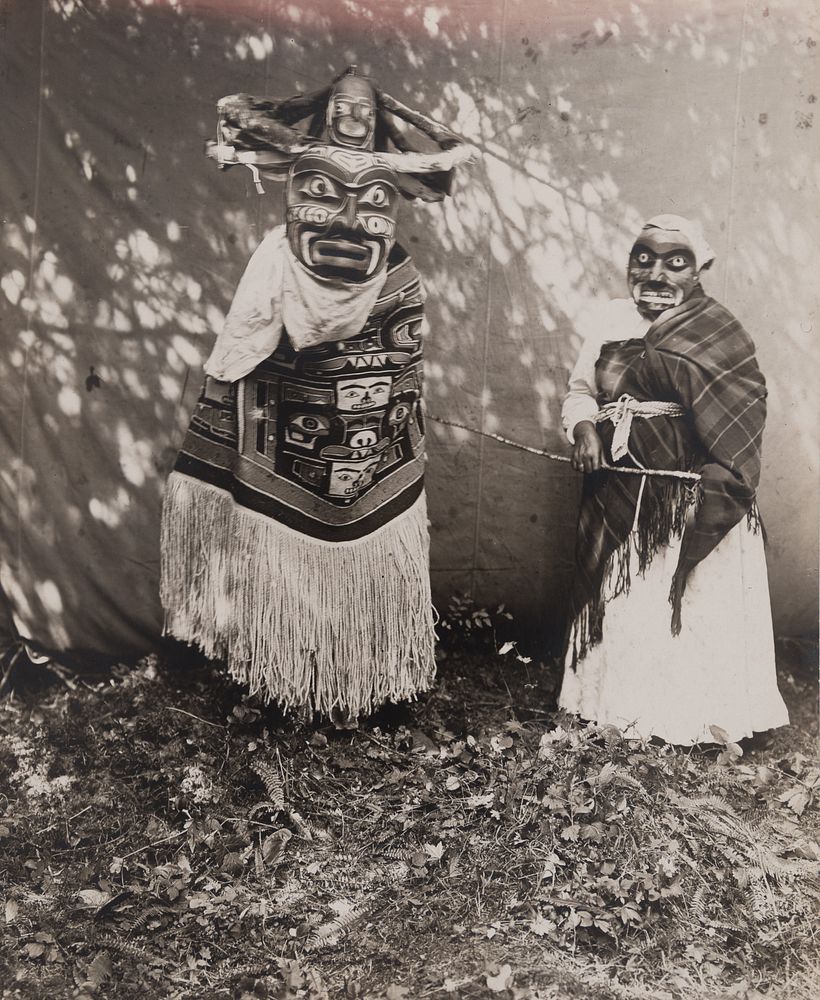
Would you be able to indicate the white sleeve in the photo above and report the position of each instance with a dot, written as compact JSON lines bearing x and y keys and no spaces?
{"x":595,"y":327}
{"x":603,"y":322}
{"x":580,"y":402}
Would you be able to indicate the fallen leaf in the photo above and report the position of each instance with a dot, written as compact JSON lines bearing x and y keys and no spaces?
{"x":502,"y":981}
{"x":11,"y":910}
{"x":397,"y":993}
{"x":93,"y":897}
{"x":100,"y":969}
{"x":732,"y":753}
{"x":720,"y":735}
{"x":541,"y":926}
{"x":273,"y":847}
{"x":629,"y":914}
{"x":475,"y":801}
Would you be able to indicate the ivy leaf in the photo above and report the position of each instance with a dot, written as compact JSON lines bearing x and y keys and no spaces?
{"x":796,"y":799}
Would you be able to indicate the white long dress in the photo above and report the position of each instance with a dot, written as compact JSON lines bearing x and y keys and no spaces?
{"x":720,"y":669}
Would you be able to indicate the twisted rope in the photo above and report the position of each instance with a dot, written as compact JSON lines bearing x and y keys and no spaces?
{"x":629,"y":469}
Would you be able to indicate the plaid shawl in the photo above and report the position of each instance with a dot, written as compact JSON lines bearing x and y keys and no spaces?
{"x":697,"y":355}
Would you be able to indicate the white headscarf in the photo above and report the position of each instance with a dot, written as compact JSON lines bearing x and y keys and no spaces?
{"x":690,"y":233}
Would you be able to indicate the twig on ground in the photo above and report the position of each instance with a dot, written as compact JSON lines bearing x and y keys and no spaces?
{"x":198,"y":718}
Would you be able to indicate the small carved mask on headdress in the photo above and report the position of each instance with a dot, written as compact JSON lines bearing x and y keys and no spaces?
{"x":341,"y":213}
{"x":351,"y":113}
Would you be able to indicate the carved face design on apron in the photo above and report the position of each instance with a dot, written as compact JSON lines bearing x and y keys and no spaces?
{"x":341,"y":213}
{"x":662,"y":272}
{"x":351,"y":113}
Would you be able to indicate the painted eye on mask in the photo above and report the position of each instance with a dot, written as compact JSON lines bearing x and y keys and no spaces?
{"x":678,"y":262}
{"x":643,"y":259}
{"x":376,"y":196}
{"x":318,"y":186}
{"x":377,"y":225}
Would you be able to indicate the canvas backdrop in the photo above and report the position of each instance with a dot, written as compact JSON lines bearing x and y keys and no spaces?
{"x":122,"y":244}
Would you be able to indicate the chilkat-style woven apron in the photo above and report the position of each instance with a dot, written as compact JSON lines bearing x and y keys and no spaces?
{"x":295,"y":541}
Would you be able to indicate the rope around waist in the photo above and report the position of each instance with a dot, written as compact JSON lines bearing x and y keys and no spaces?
{"x":622,"y":412}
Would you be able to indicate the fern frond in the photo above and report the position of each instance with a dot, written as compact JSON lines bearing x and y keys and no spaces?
{"x":254,"y":969}
{"x":346,"y":858}
{"x":713,"y":802}
{"x":336,"y":928}
{"x":698,"y":904}
{"x":760,"y":895}
{"x":139,"y":924}
{"x":272,"y":780}
{"x":123,"y":947}
{"x":38,"y":899}
{"x":266,"y":806}
{"x":723,"y":776}
{"x":622,"y":777}
{"x":789,"y":869}
{"x":395,"y":872}
{"x":346,"y":881}
{"x":398,"y":853}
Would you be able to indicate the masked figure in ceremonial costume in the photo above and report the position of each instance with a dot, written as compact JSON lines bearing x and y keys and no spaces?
{"x":672,"y":629}
{"x":295,"y":541}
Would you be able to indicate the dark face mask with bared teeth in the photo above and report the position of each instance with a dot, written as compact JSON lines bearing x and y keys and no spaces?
{"x":662,"y":273}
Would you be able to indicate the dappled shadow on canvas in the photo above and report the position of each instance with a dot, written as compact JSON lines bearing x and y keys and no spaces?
{"x":124,"y":244}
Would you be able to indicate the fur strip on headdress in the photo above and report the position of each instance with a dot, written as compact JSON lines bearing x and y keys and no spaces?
{"x":268,"y":135}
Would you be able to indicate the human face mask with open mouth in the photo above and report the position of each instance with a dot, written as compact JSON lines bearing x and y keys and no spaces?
{"x":662,"y":272}
{"x":351,"y":113}
{"x":341,"y":213}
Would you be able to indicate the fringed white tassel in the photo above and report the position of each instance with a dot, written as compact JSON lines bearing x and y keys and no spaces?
{"x":306,"y":623}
